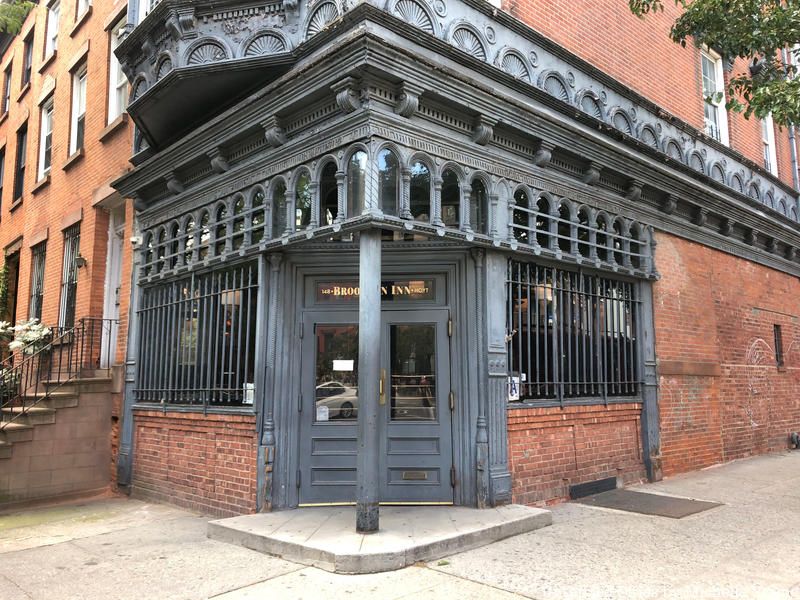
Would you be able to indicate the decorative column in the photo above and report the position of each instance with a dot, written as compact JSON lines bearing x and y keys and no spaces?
{"x":340,"y":199}
{"x":291,"y":220}
{"x":405,"y":194}
{"x":436,"y":212}
{"x":369,"y":343}
{"x":482,"y":434}
{"x":265,"y":384}
{"x":494,"y":326}
{"x":466,"y":212}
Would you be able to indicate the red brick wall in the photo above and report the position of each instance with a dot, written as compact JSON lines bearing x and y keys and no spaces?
{"x":551,"y":449}
{"x":74,"y":186}
{"x":721,"y":394}
{"x":640,"y":54}
{"x":204,"y":463}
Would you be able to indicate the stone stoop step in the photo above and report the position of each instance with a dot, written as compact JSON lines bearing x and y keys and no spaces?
{"x":6,"y":449}
{"x":16,"y":432}
{"x":34,"y":415}
{"x":325,"y":537}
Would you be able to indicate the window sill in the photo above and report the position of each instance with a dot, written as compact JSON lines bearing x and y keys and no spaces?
{"x":3,"y":117}
{"x":194,"y":408}
{"x":43,"y":183}
{"x":48,"y":61}
{"x":76,"y":157}
{"x":15,"y":205}
{"x":80,"y":21}
{"x":113,"y":127}
{"x":23,"y":91}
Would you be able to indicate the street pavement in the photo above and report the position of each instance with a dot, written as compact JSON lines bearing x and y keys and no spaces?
{"x":115,"y":548}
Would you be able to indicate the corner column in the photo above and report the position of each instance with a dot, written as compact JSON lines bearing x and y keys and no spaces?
{"x":369,"y":344}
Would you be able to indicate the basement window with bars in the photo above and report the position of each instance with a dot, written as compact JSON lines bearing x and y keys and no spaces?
{"x":572,"y":337}
{"x":197,"y":339}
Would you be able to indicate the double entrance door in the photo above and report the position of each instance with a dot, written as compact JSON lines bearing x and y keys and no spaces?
{"x":415,"y":408}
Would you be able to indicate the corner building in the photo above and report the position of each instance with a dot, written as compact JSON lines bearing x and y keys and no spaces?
{"x":576,"y":282}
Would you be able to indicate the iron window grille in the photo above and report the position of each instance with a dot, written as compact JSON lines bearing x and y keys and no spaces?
{"x":572,"y":336}
{"x":38,"y":256}
{"x":197,"y":339}
{"x":69,"y":276}
{"x":22,"y":151}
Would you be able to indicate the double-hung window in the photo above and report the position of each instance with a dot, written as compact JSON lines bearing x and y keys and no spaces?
{"x":51,"y":39}
{"x":19,"y":170}
{"x":38,"y":254}
{"x":45,"y":140}
{"x":2,"y":171}
{"x":27,"y":59}
{"x":715,"y":117}
{"x":83,"y":6}
{"x":145,"y":6}
{"x":768,"y":143}
{"x":78,"y":116}
{"x":117,"y":82}
{"x":7,"y":89}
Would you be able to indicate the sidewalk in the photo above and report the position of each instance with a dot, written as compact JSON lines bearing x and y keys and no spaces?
{"x":117,"y":548}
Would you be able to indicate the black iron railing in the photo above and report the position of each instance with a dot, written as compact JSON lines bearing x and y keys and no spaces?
{"x":33,"y":373}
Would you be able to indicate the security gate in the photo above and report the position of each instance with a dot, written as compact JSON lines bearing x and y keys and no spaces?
{"x":415,"y":404}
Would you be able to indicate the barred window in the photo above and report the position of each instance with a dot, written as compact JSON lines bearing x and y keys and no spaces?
{"x":572,"y":336}
{"x":38,"y":256}
{"x":197,"y":337}
{"x":69,"y":276}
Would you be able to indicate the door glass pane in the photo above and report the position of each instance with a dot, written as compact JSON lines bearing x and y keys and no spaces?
{"x":336,"y":397}
{"x":413,"y":368}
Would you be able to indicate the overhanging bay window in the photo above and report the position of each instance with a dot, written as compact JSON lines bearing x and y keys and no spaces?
{"x":197,"y":337}
{"x":572,"y":336}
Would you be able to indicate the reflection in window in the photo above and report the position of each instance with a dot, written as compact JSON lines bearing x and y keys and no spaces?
{"x":522,"y":220}
{"x":279,"y":210}
{"x":336,"y":397}
{"x":388,"y":182}
{"x":451,"y":199}
{"x":328,"y":196}
{"x":478,"y":207}
{"x":161,"y":249}
{"x":198,"y":339}
{"x":189,"y":227}
{"x":413,"y":362}
{"x":148,"y":254}
{"x":573,"y":335}
{"x":420,"y":192}
{"x":356,"y":183}
{"x":303,"y":202}
{"x":222,"y":229}
{"x":174,"y":246}
{"x":205,"y":235}
{"x":258,"y":216}
{"x":238,"y":224}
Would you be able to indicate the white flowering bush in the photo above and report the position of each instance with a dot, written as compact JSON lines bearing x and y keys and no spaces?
{"x":30,"y":335}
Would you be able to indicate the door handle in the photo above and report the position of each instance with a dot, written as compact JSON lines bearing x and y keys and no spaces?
{"x":381,"y":388}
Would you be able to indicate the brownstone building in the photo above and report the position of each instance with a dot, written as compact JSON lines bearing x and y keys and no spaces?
{"x":450,"y":251}
{"x":64,"y":136}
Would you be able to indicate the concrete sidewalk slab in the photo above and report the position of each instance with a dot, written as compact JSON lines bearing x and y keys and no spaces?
{"x":325,"y":537}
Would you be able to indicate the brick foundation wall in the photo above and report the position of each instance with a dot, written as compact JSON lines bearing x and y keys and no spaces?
{"x":551,"y":449}
{"x":204,"y":463}
{"x":721,"y":393}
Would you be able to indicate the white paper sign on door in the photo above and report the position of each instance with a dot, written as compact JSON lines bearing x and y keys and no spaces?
{"x":322,"y":413}
{"x":343,"y":365}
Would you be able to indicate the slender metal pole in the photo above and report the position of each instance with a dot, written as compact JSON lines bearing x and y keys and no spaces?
{"x":369,"y":344}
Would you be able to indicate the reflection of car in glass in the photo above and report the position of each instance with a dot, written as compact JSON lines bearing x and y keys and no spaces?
{"x":341,"y":400}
